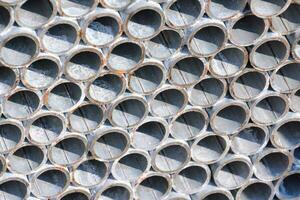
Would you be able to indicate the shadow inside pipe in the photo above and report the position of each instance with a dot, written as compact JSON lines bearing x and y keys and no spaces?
{"x":7,"y":79}
{"x":288,"y":134}
{"x":4,"y":18}
{"x":171,"y":158}
{"x":50,"y":124}
{"x":13,"y":190}
{"x":10,"y":136}
{"x":256,"y":191}
{"x":75,"y":196}
{"x":289,"y":187}
{"x":116,"y":192}
{"x":215,"y":196}
{"x":86,"y":3}
{"x":154,"y":185}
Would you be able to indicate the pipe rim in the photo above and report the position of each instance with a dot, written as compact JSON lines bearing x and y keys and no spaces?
{"x":286,"y":5}
{"x":277,"y":192}
{"x":18,"y":179}
{"x":63,"y":12}
{"x":75,"y":190}
{"x":11,"y":20}
{"x":252,"y":182}
{"x":235,"y":14}
{"x":16,"y":82}
{"x":115,"y":184}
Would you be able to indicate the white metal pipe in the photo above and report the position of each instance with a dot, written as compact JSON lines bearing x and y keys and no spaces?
{"x":9,"y":80}
{"x":75,"y":193}
{"x":287,"y":186}
{"x":212,"y":192}
{"x":116,"y":4}
{"x":225,"y":10}
{"x":76,"y":9}
{"x":14,"y":187}
{"x":295,"y":101}
{"x":268,"y":8}
{"x":7,"y":18}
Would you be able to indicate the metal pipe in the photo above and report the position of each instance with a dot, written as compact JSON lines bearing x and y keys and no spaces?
{"x":76,"y":9}
{"x":272,"y":163}
{"x":3,"y":165}
{"x":75,"y":193}
{"x":229,"y":62}
{"x":14,"y":187}
{"x":285,"y":78}
{"x":295,"y":100}
{"x":192,"y":178}
{"x":296,"y":155}
{"x":250,"y":140}
{"x":225,"y":10}
{"x":128,"y":110}
{"x":27,"y":159}
{"x":212,"y":192}
{"x":168,"y":101}
{"x":60,"y":35}
{"x":153,"y":186}
{"x":49,"y":182}
{"x":232,"y":172}
{"x":90,"y":172}
{"x":115,"y":190}
{"x":165,"y":44}
{"x":287,"y":186}
{"x":171,"y":156}
{"x":209,"y":148}
{"x":189,"y":123}
{"x":150,"y":133}
{"x":68,"y":150}
{"x":176,"y":196}
{"x":181,"y":14}
{"x":116,"y":4}
{"x":269,"y":8}
{"x":294,"y":40}
{"x":35,"y":13}
{"x":249,"y":85}
{"x":64,"y":96}
{"x":246,"y":29}
{"x":10,"y":2}
{"x":208,"y":92}
{"x":6,"y":18}
{"x":110,"y":143}
{"x":147,"y":77}
{"x":131,"y":166}
{"x":9,"y":80}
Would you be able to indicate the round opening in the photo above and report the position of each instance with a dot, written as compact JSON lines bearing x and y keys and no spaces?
{"x":149,"y":135}
{"x":146,"y":79}
{"x":19,"y":50}
{"x":268,"y":8}
{"x":76,"y":8}
{"x":35,"y":13}
{"x":295,"y":101}
{"x":247,"y":30}
{"x":64,"y":97}
{"x":10,"y":136}
{"x":163,"y":45}
{"x":168,"y":102}
{"x":287,"y":135}
{"x":102,"y":30}
{"x":86,"y":118}
{"x":5,"y":18}
{"x":269,"y":54}
{"x":156,"y":186}
{"x":115,"y":192}
{"x":144,"y":23}
{"x":256,"y":191}
{"x":41,"y":73}
{"x":22,"y":104}
{"x":271,"y":166}
{"x":207,"y":40}
{"x":226,"y":9}
{"x":8,"y":79}
{"x":50,"y":183}
{"x":182,"y":13}
{"x":249,"y":140}
{"x":228,"y":62}
{"x":75,"y":196}
{"x":90,"y":173}
{"x":67,"y":151}
{"x":229,"y":119}
{"x":60,"y":38}
{"x":171,"y":158}
{"x":110,"y":146}
{"x":26,"y":159}
{"x":269,"y":110}
{"x":249,"y":85}
{"x":207,"y":92}
{"x":122,"y":59}
{"x":13,"y":190}
{"x":83,"y":65}
{"x":106,"y":88}
{"x":45,"y":129}
{"x":187,"y":71}
{"x":297,"y":154}
{"x":288,"y":187}
{"x":210,"y":149}
{"x":219,"y":196}
{"x":128,"y":112}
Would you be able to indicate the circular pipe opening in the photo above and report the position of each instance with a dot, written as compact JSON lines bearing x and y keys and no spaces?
{"x":84,"y":65}
{"x":224,"y":10}
{"x":90,"y":173}
{"x":22,"y":104}
{"x":11,"y":136}
{"x":286,"y":78}
{"x":247,"y":29}
{"x":14,"y":189}
{"x":75,"y":196}
{"x":228,"y":62}
{"x":217,"y":195}
{"x":106,"y":88}
{"x":296,"y":49}
{"x":250,"y":140}
{"x":116,"y":4}
{"x":5,"y":18}
{"x":287,"y":187}
{"x":208,"y":92}
{"x":129,"y":112}
{"x":288,"y":21}
{"x":189,"y":124}
{"x":19,"y":50}
{"x":187,"y":71}
{"x":256,"y":190}
{"x":287,"y":134}
{"x":68,"y":151}
{"x":296,"y":154}
{"x":86,"y":118}
{"x":35,"y":13}
{"x":110,"y":145}
{"x":77,"y":8}
{"x":295,"y":101}
{"x":26,"y":159}
{"x":120,"y":59}
{"x":183,"y":13}
{"x":63,"y":97}
{"x":41,"y":73}
{"x":147,"y":78}
{"x":269,"y":54}
{"x":144,"y":23}
{"x":249,"y":85}
{"x":164,"y":45}
{"x":268,"y":8}
{"x":168,"y":102}
{"x":207,"y":40}
{"x":210,"y":148}
{"x":8,"y":80}
{"x":115,"y":192}
{"x":60,"y":37}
